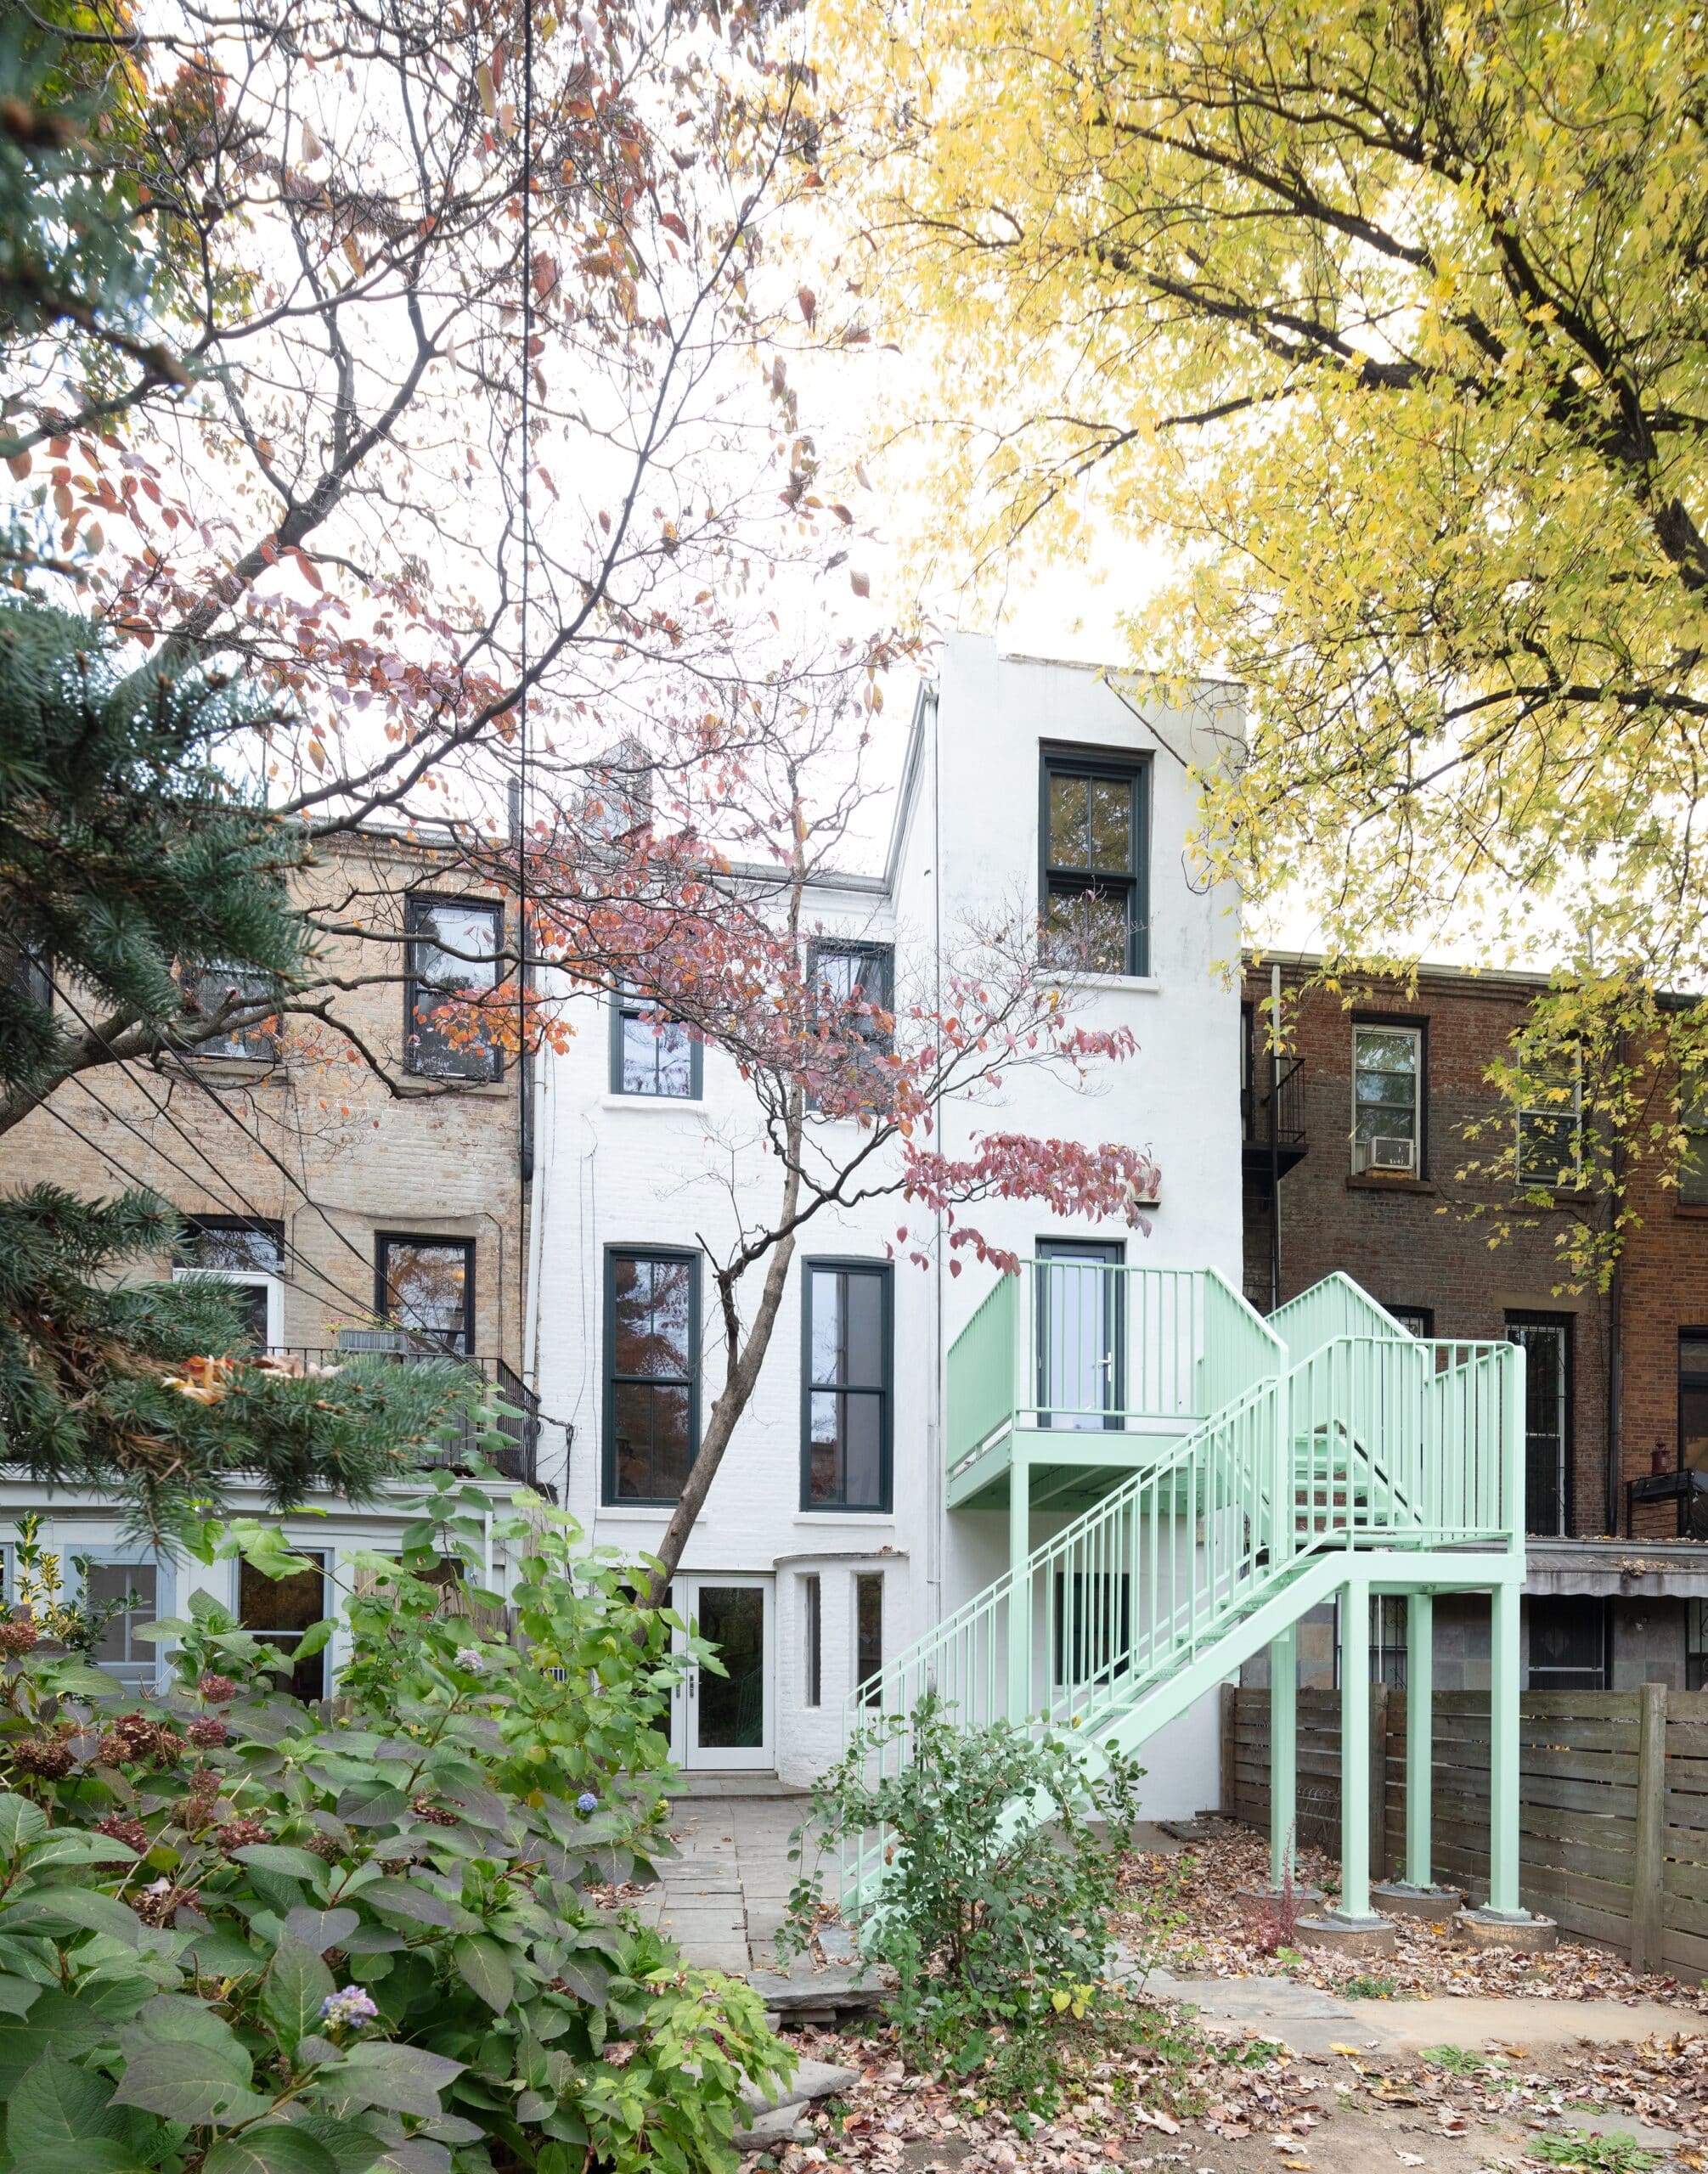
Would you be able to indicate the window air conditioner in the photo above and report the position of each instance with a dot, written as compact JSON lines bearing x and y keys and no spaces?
{"x":1397,"y":1157}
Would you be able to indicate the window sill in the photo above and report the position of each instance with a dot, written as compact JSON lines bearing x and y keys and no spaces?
{"x":845,"y":1517}
{"x":648,"y":1513}
{"x":235,"y":1070}
{"x":420,"y":1088}
{"x":689,"y":1102}
{"x":1365,"y":1184}
{"x":1690,"y":1212}
{"x":1133,"y":984}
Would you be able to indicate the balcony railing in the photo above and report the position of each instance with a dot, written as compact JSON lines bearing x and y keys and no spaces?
{"x":1072,"y":1346}
{"x":515,"y":1457}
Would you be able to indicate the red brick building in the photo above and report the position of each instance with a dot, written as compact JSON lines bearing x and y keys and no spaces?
{"x":1368,"y":1139}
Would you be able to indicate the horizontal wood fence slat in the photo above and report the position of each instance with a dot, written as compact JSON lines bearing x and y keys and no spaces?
{"x":1595,"y":1816}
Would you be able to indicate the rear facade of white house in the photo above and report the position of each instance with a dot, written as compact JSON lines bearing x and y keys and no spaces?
{"x":843,"y":1523}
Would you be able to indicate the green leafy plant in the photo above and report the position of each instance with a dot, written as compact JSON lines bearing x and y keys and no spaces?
{"x":237,"y":1938}
{"x":1619,"y":2153}
{"x":1456,"y":2060}
{"x":1372,"y":1989}
{"x":992,"y":1923}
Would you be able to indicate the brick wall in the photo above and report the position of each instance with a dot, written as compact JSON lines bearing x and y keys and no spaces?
{"x":1419,"y":1242}
{"x":316,"y":1140}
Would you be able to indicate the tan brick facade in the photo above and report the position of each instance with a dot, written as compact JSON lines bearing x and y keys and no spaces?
{"x":314,"y":1141}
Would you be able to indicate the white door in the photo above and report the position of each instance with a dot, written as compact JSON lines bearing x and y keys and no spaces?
{"x":724,"y":1721}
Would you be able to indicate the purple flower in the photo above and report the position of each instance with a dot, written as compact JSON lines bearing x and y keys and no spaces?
{"x":351,"y":2009}
{"x":587,"y":1801}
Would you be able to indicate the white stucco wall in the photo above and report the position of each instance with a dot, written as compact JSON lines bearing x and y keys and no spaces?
{"x":617,"y":1170}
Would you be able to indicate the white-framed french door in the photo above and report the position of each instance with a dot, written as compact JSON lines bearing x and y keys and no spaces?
{"x":726,"y":1721}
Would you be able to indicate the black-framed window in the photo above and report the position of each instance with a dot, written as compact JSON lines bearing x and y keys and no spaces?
{"x":219,"y":988}
{"x":1094,"y":849}
{"x":847,"y":1370}
{"x":225,"y":1244}
{"x":1571,"y":1644}
{"x":652,"y":1054}
{"x":426,"y":1286}
{"x":1693,"y":1399}
{"x":651,"y":1372}
{"x":454,"y":950}
{"x":869,"y":1637}
{"x":1547,"y":1341}
{"x":279,"y":1610}
{"x":1420,"y":1320}
{"x":856,"y":983}
{"x":812,"y":1639}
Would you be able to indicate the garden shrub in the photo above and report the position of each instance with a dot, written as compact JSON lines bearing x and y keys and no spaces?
{"x":989,"y":1918}
{"x":238,"y":1938}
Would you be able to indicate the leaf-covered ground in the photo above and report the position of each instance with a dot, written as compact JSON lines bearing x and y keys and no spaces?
{"x":1185,"y":1905}
{"x":1173,"y":2097}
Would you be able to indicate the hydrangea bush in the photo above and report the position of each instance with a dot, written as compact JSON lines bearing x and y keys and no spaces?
{"x":239,"y":1937}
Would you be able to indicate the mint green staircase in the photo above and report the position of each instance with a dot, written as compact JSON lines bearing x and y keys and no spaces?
{"x":1338,"y":1454}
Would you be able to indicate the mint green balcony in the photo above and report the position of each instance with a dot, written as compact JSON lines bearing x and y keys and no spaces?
{"x":1226,"y":1474}
{"x":1076,"y":1371}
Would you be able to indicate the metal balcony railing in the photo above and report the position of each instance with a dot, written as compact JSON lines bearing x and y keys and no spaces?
{"x":519,"y":1427}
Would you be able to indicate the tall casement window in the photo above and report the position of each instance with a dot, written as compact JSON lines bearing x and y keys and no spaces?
{"x":812,"y":1639}
{"x":1388,"y":1100}
{"x":652,"y":1055}
{"x":846,"y":1369}
{"x":32,"y":977}
{"x":1547,"y":1341}
{"x":427,"y":1286}
{"x":1693,"y":1161}
{"x":280,"y":1611}
{"x":453,"y":957}
{"x":1094,"y":825}
{"x":856,"y":983}
{"x":651,"y":1372}
{"x":869,"y":1637}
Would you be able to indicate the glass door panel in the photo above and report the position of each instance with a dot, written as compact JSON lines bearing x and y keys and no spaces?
{"x":726,"y":1719}
{"x":1079,"y":1344}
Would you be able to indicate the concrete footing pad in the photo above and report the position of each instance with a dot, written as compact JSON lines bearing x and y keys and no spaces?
{"x":1398,"y":1899}
{"x":1346,"y":1935}
{"x":1270,"y":1898}
{"x":1521,"y":1935}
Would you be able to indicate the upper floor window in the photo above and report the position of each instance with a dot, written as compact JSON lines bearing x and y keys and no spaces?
{"x":452,"y":958}
{"x":652,"y":1054}
{"x":651,"y":1373}
{"x":247,"y":1253}
{"x":1093,"y":819}
{"x":427,"y":1286}
{"x":847,"y":1339}
{"x":1550,"y":1125}
{"x":617,"y":800}
{"x":1693,"y":1161}
{"x":1388,"y":1100}
{"x":856,"y":983}
{"x":215,"y":991}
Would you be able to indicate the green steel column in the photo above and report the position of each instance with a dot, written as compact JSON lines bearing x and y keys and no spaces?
{"x":1355,"y":1747}
{"x":1503,"y":1749}
{"x":1284,"y":1755}
{"x":1420,"y":1750}
{"x":1020,"y":1590}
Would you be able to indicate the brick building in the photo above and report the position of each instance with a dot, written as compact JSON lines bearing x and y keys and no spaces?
{"x":356,"y":1169}
{"x":1368,"y":1145}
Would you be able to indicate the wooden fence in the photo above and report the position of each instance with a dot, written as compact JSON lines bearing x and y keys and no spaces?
{"x":1613,"y":1803}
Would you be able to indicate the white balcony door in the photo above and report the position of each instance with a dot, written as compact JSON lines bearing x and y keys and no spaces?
{"x":1078,"y":1333}
{"x":724,"y":1722}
